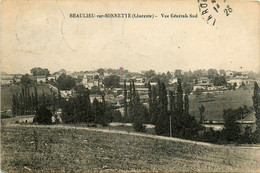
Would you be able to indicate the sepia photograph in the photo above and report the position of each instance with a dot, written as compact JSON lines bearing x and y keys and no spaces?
{"x":130,"y":86}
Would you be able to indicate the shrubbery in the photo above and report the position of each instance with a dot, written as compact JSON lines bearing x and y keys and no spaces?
{"x":43,"y":115}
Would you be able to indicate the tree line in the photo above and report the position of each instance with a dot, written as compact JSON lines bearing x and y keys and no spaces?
{"x":168,"y":111}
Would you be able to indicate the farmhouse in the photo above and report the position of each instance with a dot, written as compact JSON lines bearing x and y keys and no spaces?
{"x":51,"y":78}
{"x":93,"y":96}
{"x":203,"y":80}
{"x":41,"y":79}
{"x":90,"y":80}
{"x":26,"y":119}
{"x":203,"y":86}
{"x":6,"y":80}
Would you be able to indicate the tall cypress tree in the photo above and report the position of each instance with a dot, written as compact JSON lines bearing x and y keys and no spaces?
{"x":36,"y":97}
{"x":154,"y":107}
{"x":89,"y":115}
{"x":172,"y":101}
{"x":179,"y":102}
{"x":17,"y":104}
{"x":150,"y":101}
{"x":162,"y":124}
{"x":23,"y":102}
{"x":256,"y":99}
{"x":130,"y":103}
{"x":125,"y":100}
{"x":43,"y":98}
{"x":14,"y":105}
{"x":186,"y":102}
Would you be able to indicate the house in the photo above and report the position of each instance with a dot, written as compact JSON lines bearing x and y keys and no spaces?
{"x":51,"y":78}
{"x":229,"y":73}
{"x":56,"y":118}
{"x":66,"y":93}
{"x":26,"y":119}
{"x":153,"y":83}
{"x":93,"y":96}
{"x":107,"y":74}
{"x":202,"y":86}
{"x":203,"y":80}
{"x":6,"y":80}
{"x":173,"y":81}
{"x":41,"y":79}
{"x":238,"y":81}
{"x":140,"y":79}
{"x":91,"y":79}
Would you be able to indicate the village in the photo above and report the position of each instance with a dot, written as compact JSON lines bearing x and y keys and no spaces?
{"x":202,"y":85}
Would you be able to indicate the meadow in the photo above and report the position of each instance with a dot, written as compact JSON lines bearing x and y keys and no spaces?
{"x":223,"y":100}
{"x":75,"y":150}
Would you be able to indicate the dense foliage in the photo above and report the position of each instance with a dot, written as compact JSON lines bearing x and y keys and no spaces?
{"x":65,"y":82}
{"x":38,"y":71}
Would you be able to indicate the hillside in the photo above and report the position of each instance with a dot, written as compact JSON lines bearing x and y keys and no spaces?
{"x":8,"y":91}
{"x":63,"y":148}
{"x":224,"y":100}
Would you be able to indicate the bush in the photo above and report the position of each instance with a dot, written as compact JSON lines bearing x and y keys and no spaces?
{"x":43,"y":115}
{"x":139,"y":127}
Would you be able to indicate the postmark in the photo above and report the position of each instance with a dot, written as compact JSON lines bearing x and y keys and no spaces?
{"x":211,"y":10}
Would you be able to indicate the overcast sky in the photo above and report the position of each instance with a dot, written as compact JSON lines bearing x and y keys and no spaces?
{"x":41,"y":34}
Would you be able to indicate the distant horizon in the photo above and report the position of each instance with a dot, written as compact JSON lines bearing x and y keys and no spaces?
{"x":73,"y":71}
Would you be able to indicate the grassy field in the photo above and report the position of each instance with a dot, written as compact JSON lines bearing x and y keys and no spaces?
{"x":225,"y":100}
{"x":69,"y":150}
{"x":8,"y":91}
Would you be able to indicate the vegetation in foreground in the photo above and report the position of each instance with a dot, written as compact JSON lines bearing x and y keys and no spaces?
{"x":80,"y":150}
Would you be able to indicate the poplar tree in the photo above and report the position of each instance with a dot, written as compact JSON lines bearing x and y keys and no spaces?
{"x":162,"y":124}
{"x":179,"y":102}
{"x":125,"y":100}
{"x":186,"y":102}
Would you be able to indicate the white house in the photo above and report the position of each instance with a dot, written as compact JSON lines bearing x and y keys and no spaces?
{"x":229,"y":73}
{"x":41,"y":79}
{"x":6,"y":80}
{"x":93,"y":96}
{"x":204,"y":86}
{"x":52,"y":77}
{"x":26,"y":119}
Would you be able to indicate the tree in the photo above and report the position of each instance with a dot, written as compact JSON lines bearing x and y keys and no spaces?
{"x":25,"y":80}
{"x":219,"y":80}
{"x":202,"y":110}
{"x":125,"y":100}
{"x":222,"y":72}
{"x":14,"y":105}
{"x":234,"y":86}
{"x":43,"y":115}
{"x":149,"y":74}
{"x":112,"y":81}
{"x":101,"y":71}
{"x":179,"y":102}
{"x":186,"y":102}
{"x":161,"y":77}
{"x":95,"y":90}
{"x":65,"y":82}
{"x":169,"y":75}
{"x":212,"y":73}
{"x":231,"y":129}
{"x":162,"y":124}
{"x":255,"y":98}
{"x":38,"y":71}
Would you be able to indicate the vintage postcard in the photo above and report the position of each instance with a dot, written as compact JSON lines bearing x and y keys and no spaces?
{"x":130,"y":86}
